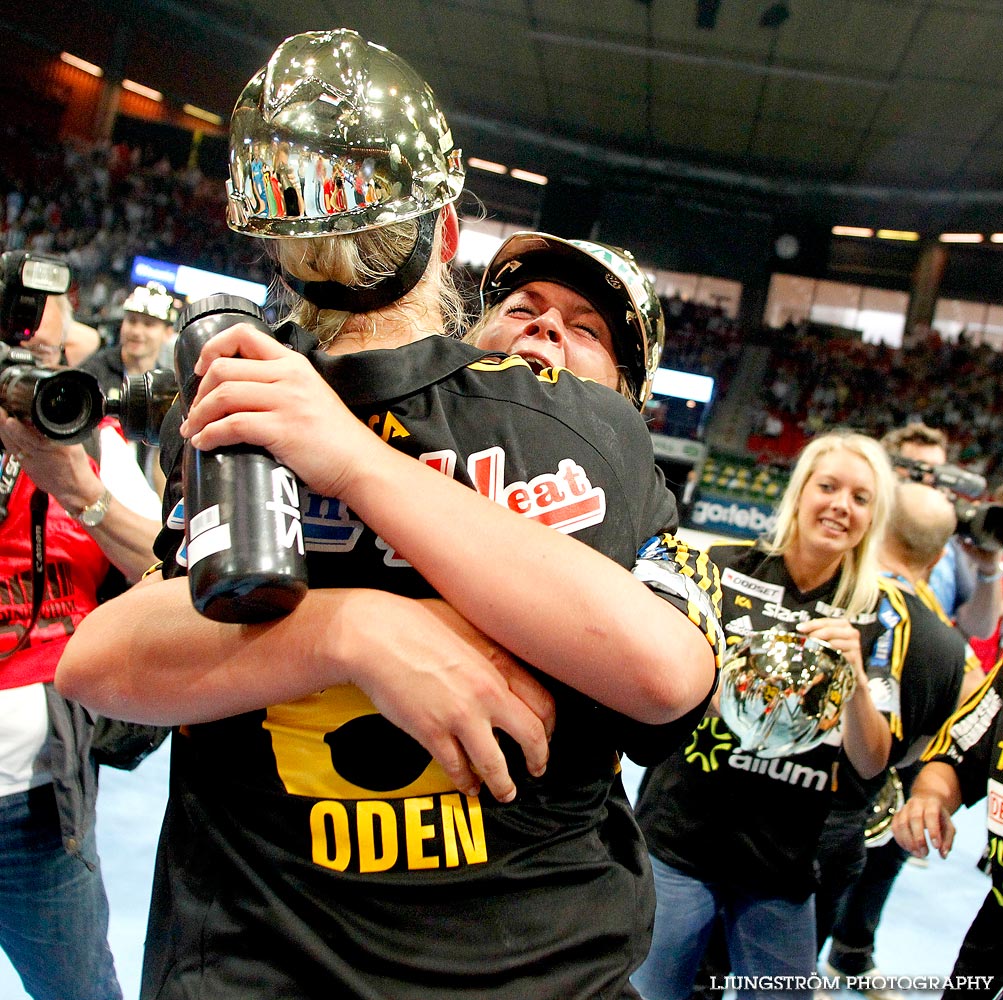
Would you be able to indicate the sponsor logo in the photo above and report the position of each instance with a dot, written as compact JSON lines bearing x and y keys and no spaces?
{"x":751,"y":586}
{"x":995,"y":797}
{"x":328,"y":525}
{"x":734,"y":515}
{"x":285,"y":505}
{"x":780,"y":769}
{"x":566,"y":500}
{"x":714,"y":743}
{"x":739,"y":626}
{"x":782,"y":614}
{"x":966,"y":732}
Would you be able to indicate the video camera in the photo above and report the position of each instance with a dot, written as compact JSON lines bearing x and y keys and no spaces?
{"x":979,"y":522}
{"x":65,"y":404}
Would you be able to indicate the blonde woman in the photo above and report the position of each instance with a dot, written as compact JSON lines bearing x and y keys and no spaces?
{"x":727,"y":830}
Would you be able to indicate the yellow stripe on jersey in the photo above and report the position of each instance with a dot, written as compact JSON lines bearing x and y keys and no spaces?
{"x":925,"y":593}
{"x":697,"y":566}
{"x":900,"y":642}
{"x":548,"y":375}
{"x":940,"y":743}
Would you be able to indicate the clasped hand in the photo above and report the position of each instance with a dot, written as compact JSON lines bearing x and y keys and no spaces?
{"x":425,"y":668}
{"x":256,"y":391}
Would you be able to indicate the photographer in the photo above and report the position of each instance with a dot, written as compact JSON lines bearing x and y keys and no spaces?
{"x":66,"y":534}
{"x":966,"y":579}
{"x":148,"y":315}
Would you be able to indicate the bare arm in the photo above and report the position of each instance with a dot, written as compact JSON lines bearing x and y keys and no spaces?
{"x":867,"y":738}
{"x":423,"y":667}
{"x":980,"y":614}
{"x":935,"y":797}
{"x":549,"y":599}
{"x":66,"y":474}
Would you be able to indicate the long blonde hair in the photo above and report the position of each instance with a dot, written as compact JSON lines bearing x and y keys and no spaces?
{"x":858,"y":581}
{"x":362,"y":260}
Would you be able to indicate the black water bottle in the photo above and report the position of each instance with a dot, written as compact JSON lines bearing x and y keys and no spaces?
{"x":243,"y":525}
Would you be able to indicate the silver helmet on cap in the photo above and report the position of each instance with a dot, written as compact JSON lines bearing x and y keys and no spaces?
{"x":337,"y":135}
{"x":783,"y":693}
{"x":152,"y":299}
{"x":608,"y":277}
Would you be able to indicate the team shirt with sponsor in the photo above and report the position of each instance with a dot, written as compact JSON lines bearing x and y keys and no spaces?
{"x":721,"y":814}
{"x":314,"y":849}
{"x":972,"y":743}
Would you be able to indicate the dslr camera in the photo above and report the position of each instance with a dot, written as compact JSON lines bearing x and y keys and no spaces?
{"x":979,"y":521}
{"x":62,"y":403}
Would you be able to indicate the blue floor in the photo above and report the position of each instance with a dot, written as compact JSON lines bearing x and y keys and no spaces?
{"x":928,"y":913}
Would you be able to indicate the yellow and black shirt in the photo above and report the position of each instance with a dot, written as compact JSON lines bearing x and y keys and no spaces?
{"x":313,"y":849}
{"x":721,"y":814}
{"x":971,"y":741}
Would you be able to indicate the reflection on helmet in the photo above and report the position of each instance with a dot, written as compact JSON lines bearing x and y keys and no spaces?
{"x":151,"y":299}
{"x":607,"y":276}
{"x":337,"y":135}
{"x":781,"y":693}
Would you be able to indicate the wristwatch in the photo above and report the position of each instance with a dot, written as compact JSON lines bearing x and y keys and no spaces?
{"x":93,"y":514}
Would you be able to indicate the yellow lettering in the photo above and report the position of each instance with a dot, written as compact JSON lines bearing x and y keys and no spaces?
{"x":373,"y":421}
{"x":454,"y":820}
{"x":415,"y":833}
{"x":742,"y":602}
{"x":336,"y":813}
{"x":999,"y":760}
{"x":366,"y":815}
{"x":393,"y":428}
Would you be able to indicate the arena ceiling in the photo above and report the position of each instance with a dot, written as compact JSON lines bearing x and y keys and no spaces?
{"x":876,"y":111}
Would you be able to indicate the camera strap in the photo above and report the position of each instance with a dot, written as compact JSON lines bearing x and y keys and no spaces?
{"x":8,"y":480}
{"x":39,"y":506}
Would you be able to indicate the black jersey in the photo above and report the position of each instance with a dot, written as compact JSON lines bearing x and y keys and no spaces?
{"x":720,"y":813}
{"x":971,"y":741}
{"x":314,"y":850}
{"x":106,"y":366}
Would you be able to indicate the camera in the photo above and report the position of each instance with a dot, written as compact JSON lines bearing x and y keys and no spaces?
{"x":979,"y":522}
{"x":142,"y":402}
{"x":63,"y":404}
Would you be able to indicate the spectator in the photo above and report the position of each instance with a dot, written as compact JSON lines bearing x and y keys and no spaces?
{"x":71,"y":523}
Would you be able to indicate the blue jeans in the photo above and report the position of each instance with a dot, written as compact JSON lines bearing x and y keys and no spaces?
{"x":767,"y":937}
{"x":53,"y":908}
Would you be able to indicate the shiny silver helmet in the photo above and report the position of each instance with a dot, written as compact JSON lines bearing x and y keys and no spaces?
{"x":152,"y":299}
{"x":607,"y":276}
{"x":783,"y":693}
{"x":337,"y":135}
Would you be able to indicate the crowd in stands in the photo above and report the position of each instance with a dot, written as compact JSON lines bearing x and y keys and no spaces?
{"x":101,"y":204}
{"x":819,"y":380}
{"x":701,"y":338}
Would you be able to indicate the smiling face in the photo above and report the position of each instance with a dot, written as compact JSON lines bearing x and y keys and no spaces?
{"x":550,"y":326}
{"x":836,"y":505}
{"x":141,"y":338}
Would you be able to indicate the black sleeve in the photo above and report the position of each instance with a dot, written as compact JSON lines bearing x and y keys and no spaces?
{"x":932,"y":674}
{"x":172,"y":536}
{"x":689,"y":580}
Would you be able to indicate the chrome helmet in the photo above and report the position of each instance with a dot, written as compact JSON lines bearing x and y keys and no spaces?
{"x":782,"y":693}
{"x":337,"y":135}
{"x":152,"y":299}
{"x":607,"y":276}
